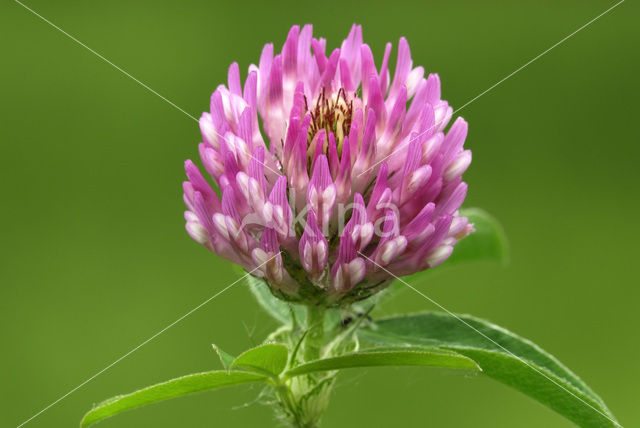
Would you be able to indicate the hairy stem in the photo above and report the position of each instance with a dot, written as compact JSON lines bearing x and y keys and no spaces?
{"x":313,"y":341}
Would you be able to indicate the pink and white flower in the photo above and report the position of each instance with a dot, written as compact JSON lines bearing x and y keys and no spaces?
{"x":352,"y":175}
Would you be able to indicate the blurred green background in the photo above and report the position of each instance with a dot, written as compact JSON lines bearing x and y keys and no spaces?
{"x":94,"y":257}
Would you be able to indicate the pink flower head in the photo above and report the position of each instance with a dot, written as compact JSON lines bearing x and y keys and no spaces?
{"x":351,"y":177}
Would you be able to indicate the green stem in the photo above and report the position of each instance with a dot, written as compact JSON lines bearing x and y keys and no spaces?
{"x":313,"y":341}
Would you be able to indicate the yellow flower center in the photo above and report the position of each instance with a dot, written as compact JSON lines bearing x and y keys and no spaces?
{"x":333,"y":114}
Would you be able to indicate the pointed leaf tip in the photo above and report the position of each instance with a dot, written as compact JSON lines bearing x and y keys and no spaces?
{"x":502,"y":355}
{"x":225,"y":359}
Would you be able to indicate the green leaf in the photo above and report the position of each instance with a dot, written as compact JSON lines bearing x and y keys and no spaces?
{"x":269,"y":359}
{"x":278,"y":309}
{"x":173,"y":388}
{"x":387,"y":357}
{"x":281,"y":311}
{"x":487,"y":243}
{"x":225,"y":359}
{"x":502,"y":356}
